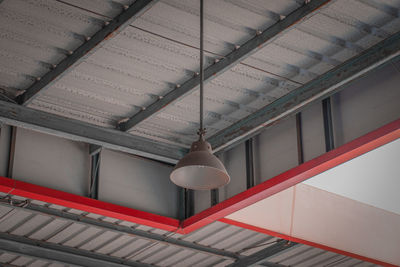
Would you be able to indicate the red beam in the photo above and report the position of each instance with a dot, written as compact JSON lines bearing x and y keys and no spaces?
{"x":302,"y":241}
{"x":68,"y":200}
{"x":280,"y":182}
{"x":296,"y":175}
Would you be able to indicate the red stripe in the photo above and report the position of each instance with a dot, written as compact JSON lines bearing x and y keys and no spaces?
{"x":302,"y":241}
{"x":296,"y":175}
{"x":68,"y":200}
{"x":280,"y":182}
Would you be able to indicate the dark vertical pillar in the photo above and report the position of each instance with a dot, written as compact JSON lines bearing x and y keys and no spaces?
{"x":95,"y":156}
{"x":328,"y":124}
{"x":189,"y":203}
{"x":11,"y":151}
{"x":299,"y":131}
{"x":214,"y":196}
{"x":249,"y":163}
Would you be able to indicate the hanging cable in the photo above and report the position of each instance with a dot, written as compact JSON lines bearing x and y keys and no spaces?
{"x":202,"y":129}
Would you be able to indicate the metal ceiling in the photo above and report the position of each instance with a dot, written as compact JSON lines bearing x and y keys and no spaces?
{"x":158,"y":52}
{"x":34,"y":233}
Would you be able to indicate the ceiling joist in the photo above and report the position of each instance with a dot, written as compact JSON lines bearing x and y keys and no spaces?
{"x":92,"y":43}
{"x":244,"y":51}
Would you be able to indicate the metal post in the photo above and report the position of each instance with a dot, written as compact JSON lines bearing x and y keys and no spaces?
{"x":249,"y":163}
{"x":11,"y":151}
{"x":299,"y":128}
{"x":95,"y":156}
{"x":328,"y":125}
{"x":189,"y":203}
{"x":214,"y":196}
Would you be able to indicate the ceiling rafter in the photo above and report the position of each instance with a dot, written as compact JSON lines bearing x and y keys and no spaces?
{"x":25,"y":117}
{"x":244,"y":51}
{"x":317,"y":89}
{"x":264,"y":254}
{"x":110,"y":30}
{"x":55,"y":252}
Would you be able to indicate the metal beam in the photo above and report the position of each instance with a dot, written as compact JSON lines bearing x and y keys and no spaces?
{"x":59,"y":253}
{"x":299,"y":134}
{"x":95,"y":160}
{"x":189,"y":203}
{"x":263,"y":254}
{"x":250,"y":179}
{"x":244,"y":51}
{"x":111,"y":29}
{"x":317,"y":89}
{"x":271,"y":264}
{"x":37,"y":209}
{"x":214,"y":193}
{"x":25,"y":117}
{"x":328,"y":124}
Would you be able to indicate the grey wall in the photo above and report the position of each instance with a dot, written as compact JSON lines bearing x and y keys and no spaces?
{"x":65,"y":165}
{"x":51,"y":161}
{"x":137,"y":183}
{"x":367,"y":104}
{"x":313,"y":131}
{"x":5,"y":132}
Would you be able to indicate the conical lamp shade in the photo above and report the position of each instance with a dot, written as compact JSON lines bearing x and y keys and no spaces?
{"x":200,"y":169}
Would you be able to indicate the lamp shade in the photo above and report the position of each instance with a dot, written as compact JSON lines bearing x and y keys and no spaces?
{"x":200,"y":169}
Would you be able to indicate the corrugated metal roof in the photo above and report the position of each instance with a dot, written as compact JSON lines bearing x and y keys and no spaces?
{"x":149,"y":59}
{"x":18,"y":219}
{"x":159,"y":51}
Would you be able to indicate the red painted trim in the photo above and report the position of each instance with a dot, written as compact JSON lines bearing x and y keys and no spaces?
{"x":296,"y":175}
{"x":61,"y":198}
{"x":355,"y":148}
{"x":302,"y":241}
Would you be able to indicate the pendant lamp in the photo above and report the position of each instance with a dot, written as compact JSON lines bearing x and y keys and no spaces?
{"x":200,"y":169}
